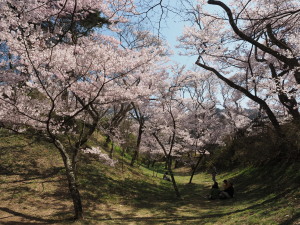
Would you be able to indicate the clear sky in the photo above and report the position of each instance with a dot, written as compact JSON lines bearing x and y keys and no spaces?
{"x":172,"y":25}
{"x":171,"y":33}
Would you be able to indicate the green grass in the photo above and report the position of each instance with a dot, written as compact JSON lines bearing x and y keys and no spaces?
{"x":34,"y":191}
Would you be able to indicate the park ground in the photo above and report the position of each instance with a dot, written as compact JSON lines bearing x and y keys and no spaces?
{"x":33,"y":190}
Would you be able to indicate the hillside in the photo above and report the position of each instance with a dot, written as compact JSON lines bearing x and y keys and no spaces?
{"x":34,"y":191}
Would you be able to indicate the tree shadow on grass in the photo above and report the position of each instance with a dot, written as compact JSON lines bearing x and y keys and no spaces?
{"x":291,"y":221}
{"x":32,"y":175}
{"x":139,"y":195}
{"x":161,"y":219}
{"x":172,"y":217}
{"x":98,"y":187}
{"x":31,"y":191}
{"x":38,"y":220}
{"x":146,"y":220}
{"x":20,"y":159}
{"x":136,"y":192}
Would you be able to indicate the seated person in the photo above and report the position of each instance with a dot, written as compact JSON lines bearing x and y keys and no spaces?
{"x":214,"y":192}
{"x":166,"y":177}
{"x":228,"y":191}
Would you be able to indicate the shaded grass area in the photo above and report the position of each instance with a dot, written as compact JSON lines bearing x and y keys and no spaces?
{"x":34,"y":191}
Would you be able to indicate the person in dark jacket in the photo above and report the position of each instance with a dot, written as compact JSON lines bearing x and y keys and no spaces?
{"x":166,"y":177}
{"x":228,"y":191}
{"x":214,"y":191}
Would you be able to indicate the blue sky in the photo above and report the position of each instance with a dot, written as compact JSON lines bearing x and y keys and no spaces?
{"x":171,"y":33}
{"x":173,"y":25}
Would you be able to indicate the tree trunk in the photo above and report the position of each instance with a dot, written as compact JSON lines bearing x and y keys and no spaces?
{"x":173,"y":178}
{"x":138,"y":143}
{"x":153,"y":163}
{"x":176,"y":164}
{"x":168,"y":164}
{"x":148,"y":163}
{"x":134,"y":157}
{"x":195,"y":168}
{"x":71,"y":176}
{"x":123,"y":154}
{"x":111,"y":150}
{"x":107,"y":141}
{"x":76,"y":198}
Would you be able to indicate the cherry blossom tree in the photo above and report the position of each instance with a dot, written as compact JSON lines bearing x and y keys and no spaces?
{"x":136,"y":38}
{"x":176,"y":124}
{"x":139,"y":88}
{"x":252,"y":47}
{"x":63,"y":75}
{"x":203,"y":120}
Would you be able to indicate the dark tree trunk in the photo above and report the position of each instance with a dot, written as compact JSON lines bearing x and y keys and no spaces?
{"x":107,"y":141}
{"x":176,"y":164}
{"x":172,"y":177}
{"x":111,"y":150}
{"x":71,"y":176}
{"x":195,"y":168}
{"x":69,"y":163}
{"x":138,"y":143}
{"x":76,"y":199}
{"x":153,"y":163}
{"x":123,"y":154}
{"x":168,"y":165}
{"x":148,"y":164}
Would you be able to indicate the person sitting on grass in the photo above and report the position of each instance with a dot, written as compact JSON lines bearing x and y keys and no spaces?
{"x":228,"y":191}
{"x":214,"y":191}
{"x":166,"y":177}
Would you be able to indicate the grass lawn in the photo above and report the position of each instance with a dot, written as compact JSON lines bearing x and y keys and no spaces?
{"x":33,"y":190}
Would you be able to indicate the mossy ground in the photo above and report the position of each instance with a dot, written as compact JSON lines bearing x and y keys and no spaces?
{"x":34,"y":191}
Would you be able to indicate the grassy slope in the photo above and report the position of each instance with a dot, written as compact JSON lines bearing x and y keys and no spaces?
{"x":34,"y":191}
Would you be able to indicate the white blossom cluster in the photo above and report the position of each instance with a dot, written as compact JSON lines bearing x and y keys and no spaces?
{"x":103,"y":157}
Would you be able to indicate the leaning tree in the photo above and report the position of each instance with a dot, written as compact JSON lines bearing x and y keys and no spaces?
{"x":253,"y":47}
